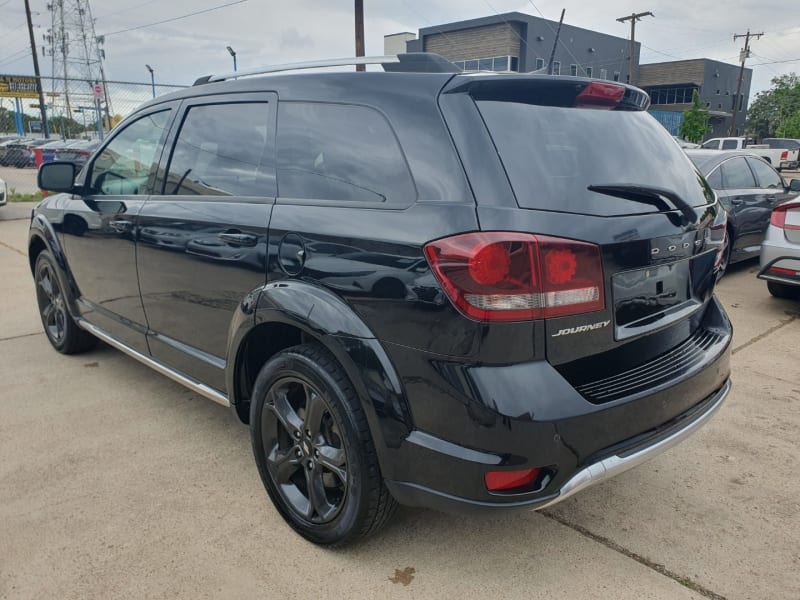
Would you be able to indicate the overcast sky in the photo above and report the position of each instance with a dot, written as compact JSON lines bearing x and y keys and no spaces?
{"x":271,"y":31}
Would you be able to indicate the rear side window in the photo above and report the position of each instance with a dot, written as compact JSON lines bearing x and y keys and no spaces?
{"x":711,"y":145}
{"x":767,"y":176}
{"x":221,"y":150}
{"x":736,"y":175}
{"x":729,"y":144}
{"x":715,"y":179}
{"x":553,"y":154}
{"x":340,"y":153}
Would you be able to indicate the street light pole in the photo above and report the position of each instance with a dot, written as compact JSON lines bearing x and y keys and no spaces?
{"x":233,"y":54}
{"x":152,"y":79}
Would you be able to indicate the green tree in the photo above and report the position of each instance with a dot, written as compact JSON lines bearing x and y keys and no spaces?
{"x":695,"y":121}
{"x":790,"y":128}
{"x":774,"y":108}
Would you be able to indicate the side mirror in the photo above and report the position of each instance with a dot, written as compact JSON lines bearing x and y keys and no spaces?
{"x":794,"y":185}
{"x":57,"y":176}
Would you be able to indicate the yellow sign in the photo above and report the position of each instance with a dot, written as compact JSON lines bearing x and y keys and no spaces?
{"x":18,"y":86}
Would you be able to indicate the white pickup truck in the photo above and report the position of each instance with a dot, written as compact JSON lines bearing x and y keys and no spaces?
{"x":781,"y":153}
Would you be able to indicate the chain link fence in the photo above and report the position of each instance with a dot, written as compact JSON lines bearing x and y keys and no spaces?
{"x":79,"y":114}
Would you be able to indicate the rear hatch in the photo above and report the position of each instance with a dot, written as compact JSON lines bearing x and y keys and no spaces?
{"x":586,"y":162}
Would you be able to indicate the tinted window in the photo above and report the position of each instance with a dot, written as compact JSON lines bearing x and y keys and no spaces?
{"x":711,"y":145}
{"x":767,"y":176}
{"x":340,"y":152}
{"x":553,"y":154}
{"x":221,"y":151}
{"x":123,"y":167}
{"x":729,"y":144}
{"x":714,"y":179}
{"x":736,"y":175}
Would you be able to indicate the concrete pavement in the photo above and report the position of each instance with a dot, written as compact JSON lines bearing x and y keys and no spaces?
{"x":116,"y":482}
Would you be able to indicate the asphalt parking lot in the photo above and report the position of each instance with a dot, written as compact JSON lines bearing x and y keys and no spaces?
{"x":116,"y":482}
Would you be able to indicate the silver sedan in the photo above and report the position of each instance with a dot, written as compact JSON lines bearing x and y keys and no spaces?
{"x":3,"y":193}
{"x":780,"y":251}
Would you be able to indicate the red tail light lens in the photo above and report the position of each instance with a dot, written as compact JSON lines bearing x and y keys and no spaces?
{"x":497,"y":481}
{"x":600,"y":95}
{"x":507,"y":276}
{"x":778,"y":217}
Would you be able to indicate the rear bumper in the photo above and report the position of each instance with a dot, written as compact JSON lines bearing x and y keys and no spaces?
{"x":606,"y":468}
{"x":476,"y":419}
{"x":777,"y":251}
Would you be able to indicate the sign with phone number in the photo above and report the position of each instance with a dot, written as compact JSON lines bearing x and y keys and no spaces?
{"x":18,"y":86}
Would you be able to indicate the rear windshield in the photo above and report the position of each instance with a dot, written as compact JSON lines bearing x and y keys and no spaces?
{"x":552,"y":154}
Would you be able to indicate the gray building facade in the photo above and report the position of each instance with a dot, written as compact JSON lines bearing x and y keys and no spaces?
{"x":671,"y":85}
{"x":519,"y":42}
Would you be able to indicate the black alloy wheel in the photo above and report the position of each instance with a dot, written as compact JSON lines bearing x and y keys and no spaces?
{"x":304,"y":450}
{"x":314,"y":448}
{"x":61,"y":329}
{"x":51,"y":304}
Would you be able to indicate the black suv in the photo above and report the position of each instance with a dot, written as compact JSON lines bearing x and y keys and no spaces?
{"x":416,"y":286}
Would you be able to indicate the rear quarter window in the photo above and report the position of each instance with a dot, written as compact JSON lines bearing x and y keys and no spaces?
{"x":340,"y":153}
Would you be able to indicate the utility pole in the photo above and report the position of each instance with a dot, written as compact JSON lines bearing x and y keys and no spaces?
{"x":743,"y":56}
{"x":42,"y":105}
{"x":360,"y":32}
{"x":633,"y":18}
{"x":555,"y":43}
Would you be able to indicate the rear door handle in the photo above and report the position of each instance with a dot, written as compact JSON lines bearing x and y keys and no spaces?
{"x":737,"y":201}
{"x":238,"y":238}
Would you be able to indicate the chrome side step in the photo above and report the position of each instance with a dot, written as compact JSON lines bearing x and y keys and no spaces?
{"x":188,"y":382}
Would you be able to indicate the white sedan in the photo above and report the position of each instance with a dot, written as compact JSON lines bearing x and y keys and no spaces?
{"x":3,"y":193}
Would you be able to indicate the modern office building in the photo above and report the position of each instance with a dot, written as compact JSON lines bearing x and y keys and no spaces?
{"x":519,"y":42}
{"x":671,"y":85}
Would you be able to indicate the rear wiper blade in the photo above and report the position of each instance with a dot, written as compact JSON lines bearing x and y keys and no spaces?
{"x":647,"y":195}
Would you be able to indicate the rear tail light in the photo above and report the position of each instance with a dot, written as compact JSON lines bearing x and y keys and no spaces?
{"x":784,"y":155}
{"x":778,"y":217}
{"x":508,"y":276}
{"x":718,"y":235}
{"x":600,"y":95}
{"x":782,"y":271}
{"x":498,"y":481}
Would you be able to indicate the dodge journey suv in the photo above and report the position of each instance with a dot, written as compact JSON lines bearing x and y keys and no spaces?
{"x":416,"y":286}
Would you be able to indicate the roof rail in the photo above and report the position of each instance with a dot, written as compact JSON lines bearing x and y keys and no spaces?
{"x":410,"y":62}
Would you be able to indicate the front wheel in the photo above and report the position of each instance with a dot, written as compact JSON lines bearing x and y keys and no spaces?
{"x":59,"y":326}
{"x":313,"y":448}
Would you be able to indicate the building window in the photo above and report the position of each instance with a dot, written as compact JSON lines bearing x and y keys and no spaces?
{"x":485,"y":64}
{"x":616,"y":75}
{"x":495,"y":63}
{"x":500,"y":63}
{"x":514,"y":63}
{"x":603,"y":73}
{"x":717,"y":92}
{"x":539,"y":63}
{"x":680,"y":95}
{"x":471,"y":65}
{"x":589,"y":71}
{"x":556,"y":67}
{"x":573,"y":70}
{"x":741,"y":101}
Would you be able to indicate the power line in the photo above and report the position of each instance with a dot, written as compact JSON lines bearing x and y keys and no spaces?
{"x":192,"y":14}
{"x":123,"y":10}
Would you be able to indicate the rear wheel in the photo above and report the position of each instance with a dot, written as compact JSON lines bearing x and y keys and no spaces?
{"x":60,"y":328}
{"x":781,"y":290}
{"x":314,"y":450}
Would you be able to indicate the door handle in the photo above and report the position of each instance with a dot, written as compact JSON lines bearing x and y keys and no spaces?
{"x":772,"y":198}
{"x":238,"y":238}
{"x":121,"y":226}
{"x":737,"y":201}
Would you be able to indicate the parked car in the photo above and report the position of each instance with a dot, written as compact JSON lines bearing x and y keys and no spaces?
{"x":78,"y":152}
{"x":3,"y":193}
{"x":50,"y":149}
{"x":780,"y":251}
{"x":20,"y":154}
{"x":779,"y":156}
{"x":749,"y":188}
{"x":550,"y":323}
{"x":4,"y":145}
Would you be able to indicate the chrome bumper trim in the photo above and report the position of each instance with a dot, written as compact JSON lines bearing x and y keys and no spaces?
{"x":190,"y":383}
{"x":614,"y":465}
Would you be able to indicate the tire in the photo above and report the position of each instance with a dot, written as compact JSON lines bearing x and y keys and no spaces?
{"x":781,"y":290}
{"x":319,"y":467}
{"x":61,"y":329}
{"x":726,"y":255}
